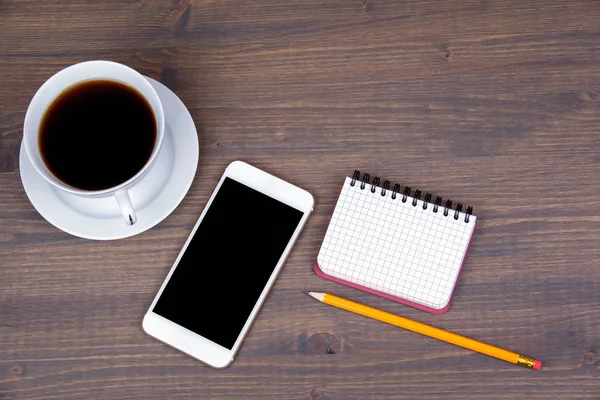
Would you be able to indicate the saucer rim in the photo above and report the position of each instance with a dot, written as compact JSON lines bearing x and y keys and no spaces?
{"x":177,"y":199}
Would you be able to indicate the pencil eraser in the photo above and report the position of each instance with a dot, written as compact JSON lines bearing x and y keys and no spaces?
{"x":537,"y":365}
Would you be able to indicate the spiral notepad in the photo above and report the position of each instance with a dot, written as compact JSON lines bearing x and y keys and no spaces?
{"x":392,"y":243}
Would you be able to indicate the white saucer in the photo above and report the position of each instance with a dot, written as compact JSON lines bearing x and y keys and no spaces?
{"x":154,"y":197}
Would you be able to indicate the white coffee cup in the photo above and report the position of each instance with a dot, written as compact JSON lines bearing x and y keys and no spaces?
{"x":85,"y":71}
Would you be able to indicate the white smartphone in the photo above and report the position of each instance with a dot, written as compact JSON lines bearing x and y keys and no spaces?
{"x":228,"y":264}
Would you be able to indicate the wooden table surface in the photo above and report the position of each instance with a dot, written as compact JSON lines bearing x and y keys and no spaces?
{"x":495,"y":104}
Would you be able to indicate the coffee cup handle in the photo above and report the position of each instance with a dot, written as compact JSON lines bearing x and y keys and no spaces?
{"x":126,"y":207}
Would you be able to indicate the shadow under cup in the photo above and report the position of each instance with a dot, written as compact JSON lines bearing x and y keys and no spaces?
{"x":94,"y":129}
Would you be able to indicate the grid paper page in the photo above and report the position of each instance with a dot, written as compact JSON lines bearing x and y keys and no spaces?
{"x":395,"y":247}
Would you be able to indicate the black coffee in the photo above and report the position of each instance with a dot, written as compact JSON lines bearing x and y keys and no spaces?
{"x":97,"y":134}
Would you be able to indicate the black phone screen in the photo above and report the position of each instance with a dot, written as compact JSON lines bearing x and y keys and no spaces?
{"x":228,"y":262}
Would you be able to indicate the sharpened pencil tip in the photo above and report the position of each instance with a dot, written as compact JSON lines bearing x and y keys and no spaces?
{"x":316,"y":295}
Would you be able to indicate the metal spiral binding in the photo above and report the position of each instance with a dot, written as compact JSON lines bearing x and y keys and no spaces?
{"x":385,"y":188}
{"x":355,"y":177}
{"x":374,"y":184}
{"x":458,"y":210}
{"x":366,"y":180}
{"x":405,"y":194}
{"x":395,"y":191}
{"x":426,"y":201}
{"x":448,"y":206}
{"x":469,"y":213}
{"x":416,"y":197}
{"x":438,"y":203}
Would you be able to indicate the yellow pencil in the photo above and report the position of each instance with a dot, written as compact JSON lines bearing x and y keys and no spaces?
{"x":427,"y":330}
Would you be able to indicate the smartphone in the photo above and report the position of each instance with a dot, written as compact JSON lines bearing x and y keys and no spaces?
{"x":220,"y":279}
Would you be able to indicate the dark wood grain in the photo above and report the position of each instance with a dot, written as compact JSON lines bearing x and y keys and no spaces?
{"x":495,"y":104}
